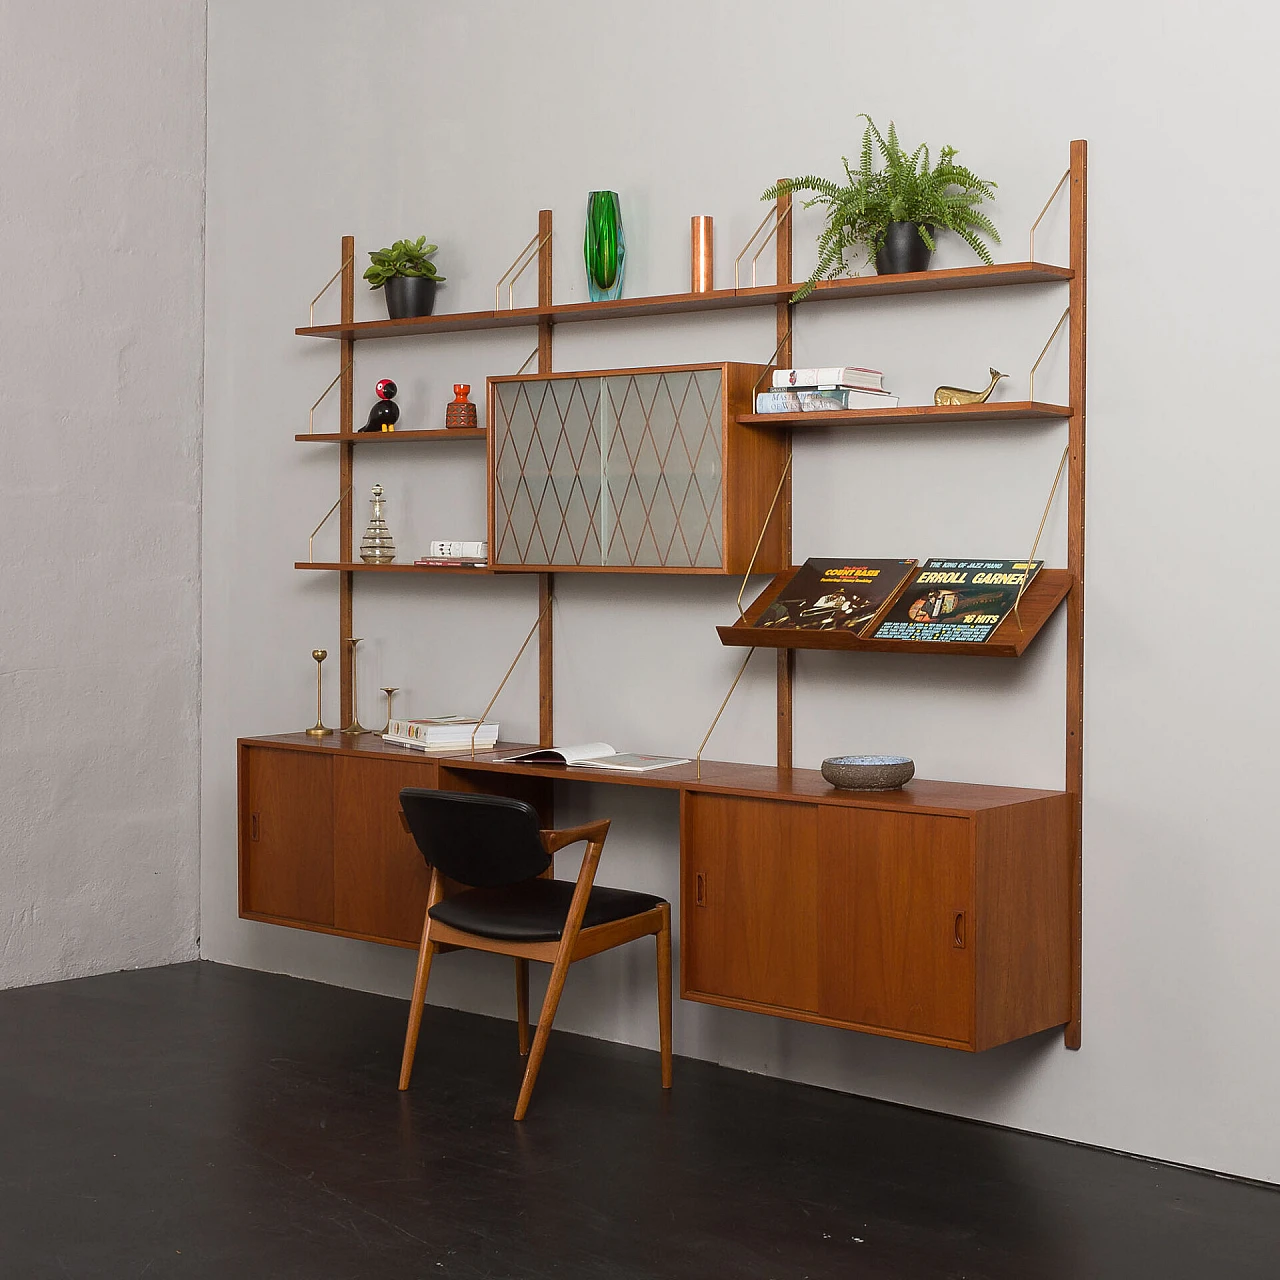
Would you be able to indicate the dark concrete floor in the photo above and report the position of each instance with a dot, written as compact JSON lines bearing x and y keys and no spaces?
{"x":203,"y":1121}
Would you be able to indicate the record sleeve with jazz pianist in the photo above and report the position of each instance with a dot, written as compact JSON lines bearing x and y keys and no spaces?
{"x":957,"y":600}
{"x":836,"y":595}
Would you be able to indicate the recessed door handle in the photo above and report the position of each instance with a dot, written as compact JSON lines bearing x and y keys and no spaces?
{"x":699,"y":889}
{"x":253,"y":826}
{"x":959,"y":934}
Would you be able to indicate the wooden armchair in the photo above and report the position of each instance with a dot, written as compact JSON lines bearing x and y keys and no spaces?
{"x":512,"y":907}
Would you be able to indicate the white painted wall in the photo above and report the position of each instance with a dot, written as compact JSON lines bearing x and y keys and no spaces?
{"x":460,"y":122}
{"x":101,"y":311}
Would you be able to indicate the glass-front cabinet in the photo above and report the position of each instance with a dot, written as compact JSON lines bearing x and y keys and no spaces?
{"x":635,"y":470}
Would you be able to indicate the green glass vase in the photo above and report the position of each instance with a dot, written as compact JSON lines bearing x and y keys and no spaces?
{"x":605,"y":247}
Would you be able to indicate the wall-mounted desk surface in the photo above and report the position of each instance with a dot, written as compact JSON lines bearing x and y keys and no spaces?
{"x":715,"y":776}
{"x":938,"y":913}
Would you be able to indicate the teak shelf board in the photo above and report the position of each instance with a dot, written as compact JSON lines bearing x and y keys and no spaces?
{"x":1004,"y":411}
{"x":975,"y":277}
{"x":361,"y":567}
{"x":718,"y":777}
{"x":1048,"y":589}
{"x":383,"y":437}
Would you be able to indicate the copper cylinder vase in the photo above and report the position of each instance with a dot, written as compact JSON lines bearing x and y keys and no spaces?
{"x":702,"y":266}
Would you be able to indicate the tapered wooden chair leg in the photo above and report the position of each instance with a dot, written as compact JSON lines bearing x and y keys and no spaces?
{"x":559,"y":971}
{"x":425,"y":951}
{"x":522,"y":1004}
{"x":664,"y":995}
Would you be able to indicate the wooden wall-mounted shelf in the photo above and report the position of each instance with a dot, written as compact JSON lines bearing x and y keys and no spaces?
{"x":977,"y":277}
{"x":1001,"y":411}
{"x":389,"y":437}
{"x":1048,"y":589}
{"x":360,"y":567}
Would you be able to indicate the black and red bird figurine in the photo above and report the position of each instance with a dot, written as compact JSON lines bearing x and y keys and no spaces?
{"x":385,"y":412}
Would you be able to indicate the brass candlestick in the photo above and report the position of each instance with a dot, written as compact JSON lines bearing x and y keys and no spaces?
{"x":389,"y":690}
{"x":355,"y":728}
{"x":319,"y":730}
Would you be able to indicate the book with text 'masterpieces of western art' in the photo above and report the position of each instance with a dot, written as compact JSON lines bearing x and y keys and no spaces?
{"x":956,"y":600}
{"x":595,"y":755}
{"x":836,"y":595}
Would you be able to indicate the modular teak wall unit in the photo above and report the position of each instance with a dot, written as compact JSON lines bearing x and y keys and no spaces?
{"x":947,"y":913}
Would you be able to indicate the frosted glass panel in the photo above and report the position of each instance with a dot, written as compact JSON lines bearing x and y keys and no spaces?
{"x":664,"y":469}
{"x":547,"y":472}
{"x":624,"y":471}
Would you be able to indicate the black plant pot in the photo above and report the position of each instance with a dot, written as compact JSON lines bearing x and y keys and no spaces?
{"x":903,"y":250}
{"x":409,"y":296}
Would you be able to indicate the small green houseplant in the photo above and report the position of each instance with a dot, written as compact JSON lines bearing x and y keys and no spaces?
{"x":894,"y":213}
{"x":409,"y":276}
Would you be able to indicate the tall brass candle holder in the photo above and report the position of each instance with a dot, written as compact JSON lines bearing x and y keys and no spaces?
{"x":355,"y":728}
{"x":389,"y":690}
{"x":319,"y":730}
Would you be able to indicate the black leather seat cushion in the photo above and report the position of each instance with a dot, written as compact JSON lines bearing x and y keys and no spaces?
{"x":535,"y":910}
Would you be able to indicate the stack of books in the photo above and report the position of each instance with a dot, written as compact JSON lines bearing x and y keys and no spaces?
{"x":456,"y":554}
{"x":443,"y":733}
{"x":825,"y":391}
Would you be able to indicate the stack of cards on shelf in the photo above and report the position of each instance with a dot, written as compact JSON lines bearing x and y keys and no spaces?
{"x":443,"y":733}
{"x":825,"y":391}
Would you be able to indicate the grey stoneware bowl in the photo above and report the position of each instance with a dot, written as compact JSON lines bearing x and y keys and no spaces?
{"x":868,"y":773}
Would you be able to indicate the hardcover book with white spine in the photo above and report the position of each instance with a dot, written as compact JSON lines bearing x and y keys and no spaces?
{"x":842,"y":376}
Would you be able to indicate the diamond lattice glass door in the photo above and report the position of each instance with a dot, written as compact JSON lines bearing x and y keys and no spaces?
{"x":547,"y":472}
{"x":663,"y":469}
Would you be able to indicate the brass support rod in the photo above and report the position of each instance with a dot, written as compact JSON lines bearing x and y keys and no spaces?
{"x":310,"y":556}
{"x":1031,"y":390}
{"x":782,"y":342}
{"x":777,"y":493}
{"x":533,"y":631}
{"x":522,"y":261}
{"x":1053,"y":489}
{"x":528,"y":362}
{"x":778,"y":220}
{"x":716,"y":721}
{"x":325,"y":290}
{"x":1031,"y":245}
{"x":311,"y":416}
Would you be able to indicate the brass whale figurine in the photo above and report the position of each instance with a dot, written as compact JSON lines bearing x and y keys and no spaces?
{"x":958,"y":395}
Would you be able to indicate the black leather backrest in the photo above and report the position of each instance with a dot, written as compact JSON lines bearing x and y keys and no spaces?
{"x":482,"y":841}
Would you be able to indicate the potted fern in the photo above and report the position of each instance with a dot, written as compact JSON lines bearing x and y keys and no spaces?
{"x":893,"y":214}
{"x":408,"y":275}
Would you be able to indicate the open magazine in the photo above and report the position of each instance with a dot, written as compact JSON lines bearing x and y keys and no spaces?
{"x":595,"y":755}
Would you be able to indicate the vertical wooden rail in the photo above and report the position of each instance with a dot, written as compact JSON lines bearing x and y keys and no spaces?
{"x":786,"y":657}
{"x":546,"y":582}
{"x":1075,"y":562}
{"x":346,"y":465}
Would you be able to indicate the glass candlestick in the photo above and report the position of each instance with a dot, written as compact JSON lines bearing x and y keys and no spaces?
{"x":377,"y":546}
{"x":318,"y":730}
{"x":355,"y":728}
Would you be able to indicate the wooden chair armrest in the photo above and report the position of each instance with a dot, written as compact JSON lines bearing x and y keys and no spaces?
{"x":592,"y":831}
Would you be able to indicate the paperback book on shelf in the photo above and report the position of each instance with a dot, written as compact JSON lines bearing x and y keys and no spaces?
{"x":811,"y":400}
{"x":596,"y":755}
{"x":958,"y":600}
{"x":836,"y":595}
